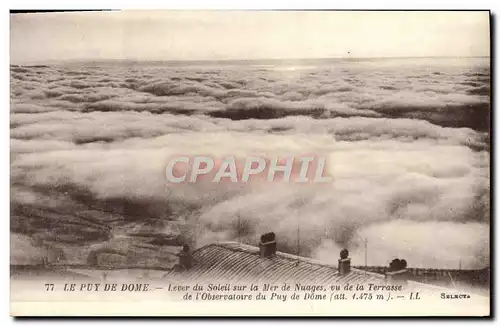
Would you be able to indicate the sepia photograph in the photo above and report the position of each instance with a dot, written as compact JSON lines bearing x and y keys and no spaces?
{"x":250,"y":163}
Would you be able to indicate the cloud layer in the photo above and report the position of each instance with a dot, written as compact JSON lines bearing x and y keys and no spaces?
{"x":407,"y":144}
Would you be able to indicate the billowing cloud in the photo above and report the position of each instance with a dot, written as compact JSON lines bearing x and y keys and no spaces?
{"x":89,"y":147}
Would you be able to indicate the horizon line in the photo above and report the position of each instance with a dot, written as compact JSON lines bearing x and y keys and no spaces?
{"x":87,"y":60}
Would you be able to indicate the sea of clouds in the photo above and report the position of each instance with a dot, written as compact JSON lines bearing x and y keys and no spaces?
{"x":407,"y":143}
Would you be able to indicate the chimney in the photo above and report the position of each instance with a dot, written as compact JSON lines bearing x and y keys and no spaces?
{"x":344,"y":262}
{"x":397,"y":273}
{"x":267,"y":245}
{"x":185,"y":258}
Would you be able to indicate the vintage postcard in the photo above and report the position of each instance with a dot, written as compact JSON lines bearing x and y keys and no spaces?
{"x":250,"y":163}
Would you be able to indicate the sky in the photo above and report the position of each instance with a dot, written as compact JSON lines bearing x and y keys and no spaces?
{"x":220,"y":35}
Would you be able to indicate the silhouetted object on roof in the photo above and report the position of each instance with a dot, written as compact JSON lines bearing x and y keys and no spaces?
{"x":185,"y":258}
{"x":344,"y":262}
{"x":267,"y":245}
{"x":397,"y":273}
{"x":397,"y":264}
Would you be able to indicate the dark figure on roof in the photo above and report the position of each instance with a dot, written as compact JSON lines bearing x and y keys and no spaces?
{"x":185,"y":258}
{"x":397,"y":264}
